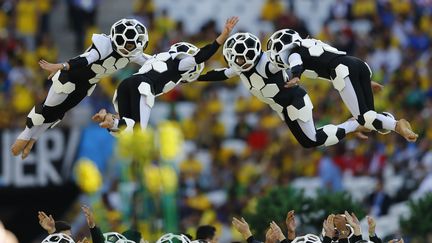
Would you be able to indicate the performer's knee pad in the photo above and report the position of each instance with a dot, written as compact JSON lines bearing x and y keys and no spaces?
{"x":329,"y":135}
{"x":145,"y":89}
{"x":300,"y":109}
{"x":369,"y":120}
{"x":338,"y":77}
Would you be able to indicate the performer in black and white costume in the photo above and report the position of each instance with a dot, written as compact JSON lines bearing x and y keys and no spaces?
{"x":266,"y":81}
{"x":350,"y":76}
{"x":135,"y":96}
{"x":75,"y":79}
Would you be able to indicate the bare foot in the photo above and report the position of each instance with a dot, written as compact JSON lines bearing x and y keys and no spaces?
{"x":18,"y":146}
{"x":28,"y":148}
{"x":404,"y":129}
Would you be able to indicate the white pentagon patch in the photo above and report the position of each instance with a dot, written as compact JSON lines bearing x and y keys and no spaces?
{"x":257,"y":81}
{"x":342,"y":72}
{"x":330,"y":131}
{"x":338,"y":83}
{"x":316,"y":51}
{"x":369,"y":118}
{"x":66,"y":88}
{"x":159,"y":67}
{"x":307,"y":43}
{"x":304,"y":114}
{"x":270,"y":90}
{"x":121,"y":63}
{"x":245,"y":81}
{"x":163,"y":56}
{"x":98,"y":69}
{"x":94,"y":80}
{"x":109,"y":62}
{"x":145,"y":89}
{"x":168,"y":86}
{"x":90,"y":91}
{"x":310,"y":74}
{"x":258,"y":94}
{"x":145,"y":68}
{"x":114,"y":101}
{"x":36,"y":118}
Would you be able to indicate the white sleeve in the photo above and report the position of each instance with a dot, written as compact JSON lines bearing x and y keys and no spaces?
{"x":229,"y":72}
{"x":187,"y":63}
{"x":92,"y":56}
{"x":140,"y":59}
{"x":294,"y":60}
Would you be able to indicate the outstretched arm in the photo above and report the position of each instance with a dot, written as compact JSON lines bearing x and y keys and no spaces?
{"x":80,"y":61}
{"x":209,"y":50}
{"x":218,"y":75}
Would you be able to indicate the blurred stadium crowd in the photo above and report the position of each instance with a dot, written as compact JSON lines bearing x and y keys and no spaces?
{"x":237,"y":148}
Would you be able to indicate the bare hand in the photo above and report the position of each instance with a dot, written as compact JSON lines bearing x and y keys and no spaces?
{"x":290,"y":224}
{"x":271,"y":236}
{"x":89,"y":216}
{"x":277,"y":231}
{"x":105,"y":119}
{"x":84,"y":240}
{"x":47,"y":223}
{"x":293,"y":82}
{"x":242,"y":227}
{"x":229,"y":26}
{"x":376,"y":87}
{"x":354,"y":222}
{"x":371,"y":225}
{"x":329,"y":227}
{"x":396,"y":241}
{"x":50,"y":67}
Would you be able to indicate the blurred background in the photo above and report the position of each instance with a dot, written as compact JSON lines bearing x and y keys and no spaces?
{"x":226,"y":149}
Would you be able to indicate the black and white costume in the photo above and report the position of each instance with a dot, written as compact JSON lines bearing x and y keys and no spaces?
{"x":350,"y":76}
{"x":70,"y":87}
{"x":293,"y":105}
{"x":136,"y":95}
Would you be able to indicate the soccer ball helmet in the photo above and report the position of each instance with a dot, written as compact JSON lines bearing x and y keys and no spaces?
{"x":129,"y":37}
{"x":309,"y":238}
{"x":242,"y":51}
{"x":58,"y":238}
{"x":172,"y":238}
{"x":114,"y":237}
{"x":184,"y":49}
{"x":280,"y":41}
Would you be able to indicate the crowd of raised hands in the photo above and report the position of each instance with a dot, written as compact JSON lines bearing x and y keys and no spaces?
{"x":336,"y":228}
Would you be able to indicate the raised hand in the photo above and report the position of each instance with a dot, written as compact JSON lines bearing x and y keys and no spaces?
{"x":329,"y":227}
{"x":290,"y":224}
{"x":376,"y":87}
{"x":277,"y":231}
{"x":47,"y":223}
{"x":50,"y":67}
{"x":371,"y":225}
{"x":293,"y":82}
{"x":242,"y":227}
{"x":354,"y":222}
{"x":229,"y":26}
{"x":105,"y":119}
{"x":89,"y":216}
{"x":84,"y":240}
